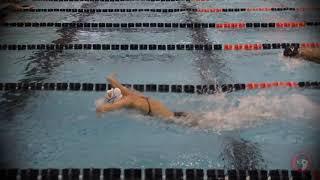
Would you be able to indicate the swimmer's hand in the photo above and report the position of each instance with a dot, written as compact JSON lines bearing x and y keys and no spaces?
{"x":99,"y":112}
{"x":111,"y":76}
{"x":99,"y":109}
{"x":24,"y":7}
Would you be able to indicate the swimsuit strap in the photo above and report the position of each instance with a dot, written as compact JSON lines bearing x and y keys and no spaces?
{"x":149,"y":112}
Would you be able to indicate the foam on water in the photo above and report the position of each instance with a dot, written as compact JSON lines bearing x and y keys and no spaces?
{"x":292,"y":63}
{"x":250,"y":111}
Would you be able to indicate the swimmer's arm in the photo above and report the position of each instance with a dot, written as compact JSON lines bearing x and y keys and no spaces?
{"x":311,"y":54}
{"x":27,"y":7}
{"x":4,"y":6}
{"x":18,"y":7}
{"x":9,"y":6}
{"x":115,"y":83}
{"x":124,"y":90}
{"x":111,"y":107}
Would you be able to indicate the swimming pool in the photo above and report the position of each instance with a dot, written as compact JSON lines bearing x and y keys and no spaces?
{"x":244,"y":130}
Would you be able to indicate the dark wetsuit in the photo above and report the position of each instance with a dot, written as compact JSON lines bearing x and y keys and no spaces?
{"x":176,"y":114}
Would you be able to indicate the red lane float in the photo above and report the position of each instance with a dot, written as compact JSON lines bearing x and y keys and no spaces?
{"x":255,"y":9}
{"x":259,"y":46}
{"x":265,"y":85}
{"x":310,"y":45}
{"x":290,"y":24}
{"x":239,"y":25}
{"x":248,"y":47}
{"x":210,"y":10}
{"x":242,"y":25}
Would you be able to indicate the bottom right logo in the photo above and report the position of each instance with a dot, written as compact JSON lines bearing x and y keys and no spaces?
{"x":301,"y":162}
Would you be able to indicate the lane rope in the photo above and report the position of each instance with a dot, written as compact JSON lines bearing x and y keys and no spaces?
{"x":159,"y":47}
{"x":202,"y":10}
{"x":163,"y":88}
{"x":226,"y":25}
{"x":153,"y":173}
{"x":126,"y":0}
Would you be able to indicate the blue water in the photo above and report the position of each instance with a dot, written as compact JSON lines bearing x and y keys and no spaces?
{"x":252,"y":129}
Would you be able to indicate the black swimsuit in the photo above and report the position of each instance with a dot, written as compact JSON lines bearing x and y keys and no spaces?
{"x":149,"y":112}
{"x":176,"y":114}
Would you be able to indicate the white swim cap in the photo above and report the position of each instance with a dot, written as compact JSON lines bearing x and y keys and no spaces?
{"x":116,"y":95}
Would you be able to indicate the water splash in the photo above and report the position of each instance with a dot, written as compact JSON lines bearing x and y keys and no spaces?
{"x":249,"y":111}
{"x":291,"y":64}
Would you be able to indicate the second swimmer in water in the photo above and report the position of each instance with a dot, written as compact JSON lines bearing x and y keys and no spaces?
{"x":121,"y":97}
{"x":7,"y":6}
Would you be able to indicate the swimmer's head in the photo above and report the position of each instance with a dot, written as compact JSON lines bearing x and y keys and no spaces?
{"x":290,"y":51}
{"x":113,"y":95}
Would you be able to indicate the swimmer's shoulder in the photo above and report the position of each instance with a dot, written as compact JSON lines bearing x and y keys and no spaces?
{"x":129,"y":100}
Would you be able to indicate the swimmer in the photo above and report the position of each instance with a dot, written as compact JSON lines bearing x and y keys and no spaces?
{"x":14,"y":5}
{"x":121,"y":97}
{"x":7,"y":6}
{"x":309,"y":54}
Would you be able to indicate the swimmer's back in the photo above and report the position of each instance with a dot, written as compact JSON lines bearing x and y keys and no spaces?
{"x":156,"y":108}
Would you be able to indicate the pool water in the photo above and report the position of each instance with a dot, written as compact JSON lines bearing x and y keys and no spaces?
{"x":244,"y":130}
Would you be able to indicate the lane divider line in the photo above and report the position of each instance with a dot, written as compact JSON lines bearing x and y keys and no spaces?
{"x":202,"y":10}
{"x":154,"y":173}
{"x":126,"y":0}
{"x":159,"y":47}
{"x":226,"y":25}
{"x":163,"y":88}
